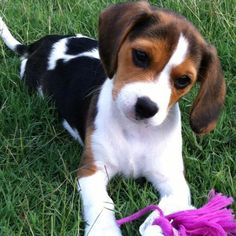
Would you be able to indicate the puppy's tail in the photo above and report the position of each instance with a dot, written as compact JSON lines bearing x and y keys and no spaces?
{"x":10,"y":41}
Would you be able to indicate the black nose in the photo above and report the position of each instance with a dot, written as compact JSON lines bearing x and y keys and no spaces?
{"x":145,"y":108}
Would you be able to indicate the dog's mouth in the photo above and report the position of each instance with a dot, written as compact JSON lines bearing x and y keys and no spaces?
{"x":148,"y":122}
{"x":131,"y":117}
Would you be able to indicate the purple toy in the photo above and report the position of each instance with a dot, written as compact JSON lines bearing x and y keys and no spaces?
{"x":213,"y":219}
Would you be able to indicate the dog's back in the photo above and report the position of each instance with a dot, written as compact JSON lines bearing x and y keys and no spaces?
{"x":65,"y":67}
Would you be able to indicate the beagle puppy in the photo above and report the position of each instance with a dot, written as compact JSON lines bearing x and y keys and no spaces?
{"x":119,"y":98}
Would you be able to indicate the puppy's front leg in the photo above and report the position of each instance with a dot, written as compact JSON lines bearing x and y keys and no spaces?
{"x":175,"y":196}
{"x":98,"y":207}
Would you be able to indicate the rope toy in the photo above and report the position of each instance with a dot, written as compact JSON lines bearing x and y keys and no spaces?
{"x":212,"y":219}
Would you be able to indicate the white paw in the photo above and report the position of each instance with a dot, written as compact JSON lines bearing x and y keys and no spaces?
{"x":153,"y":230}
{"x":104,"y":224}
{"x":168,"y":206}
{"x":171,"y":204}
{"x":147,"y":229}
{"x":103,"y":230}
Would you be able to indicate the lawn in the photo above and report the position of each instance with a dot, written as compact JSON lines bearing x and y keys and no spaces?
{"x":38,"y":159}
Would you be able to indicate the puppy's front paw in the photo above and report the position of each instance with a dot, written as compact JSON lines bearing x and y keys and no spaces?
{"x":103,"y":230}
{"x":152,"y":230}
{"x":147,"y":229}
{"x":171,"y":204}
{"x":105,"y":225}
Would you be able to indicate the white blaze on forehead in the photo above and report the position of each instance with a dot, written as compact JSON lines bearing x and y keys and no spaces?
{"x":162,"y":89}
{"x":177,"y":58}
{"x":178,"y":55}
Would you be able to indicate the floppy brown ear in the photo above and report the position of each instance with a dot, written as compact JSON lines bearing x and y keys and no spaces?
{"x":210,"y":100}
{"x":114,"y":25}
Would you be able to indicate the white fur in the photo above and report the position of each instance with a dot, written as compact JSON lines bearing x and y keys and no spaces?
{"x":82,"y":36}
{"x":40,"y":91}
{"x":154,"y":230}
{"x":72,"y":131}
{"x":179,"y":54}
{"x":93,"y":54}
{"x":22,"y":67}
{"x":59,"y":52}
{"x":7,"y":37}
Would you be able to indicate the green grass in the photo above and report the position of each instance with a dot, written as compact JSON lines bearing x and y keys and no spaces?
{"x":38,"y":159}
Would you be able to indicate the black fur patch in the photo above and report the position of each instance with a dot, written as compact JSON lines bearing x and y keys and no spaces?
{"x":79,"y":45}
{"x":21,"y":50}
{"x":71,"y":86}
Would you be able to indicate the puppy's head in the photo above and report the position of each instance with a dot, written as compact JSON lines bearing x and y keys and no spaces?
{"x":154,"y":57}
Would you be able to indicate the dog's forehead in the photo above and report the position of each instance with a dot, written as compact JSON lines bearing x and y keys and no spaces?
{"x":166,"y":27}
{"x":173,"y":47}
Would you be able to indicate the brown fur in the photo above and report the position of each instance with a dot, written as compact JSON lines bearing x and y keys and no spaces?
{"x":188,"y":67}
{"x":128,"y":73}
{"x":87,"y":166}
{"x":210,"y":100}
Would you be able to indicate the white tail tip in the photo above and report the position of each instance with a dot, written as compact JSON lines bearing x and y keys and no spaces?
{"x":7,"y":37}
{"x":2,"y":25}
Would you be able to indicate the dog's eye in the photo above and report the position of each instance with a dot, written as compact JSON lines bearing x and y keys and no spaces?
{"x":140,"y":58}
{"x":182,"y":82}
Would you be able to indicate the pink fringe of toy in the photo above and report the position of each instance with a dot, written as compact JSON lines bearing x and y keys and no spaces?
{"x":213,"y":219}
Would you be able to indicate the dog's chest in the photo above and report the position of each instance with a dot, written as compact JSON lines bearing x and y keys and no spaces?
{"x":136,"y":149}
{"x":129,"y":149}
